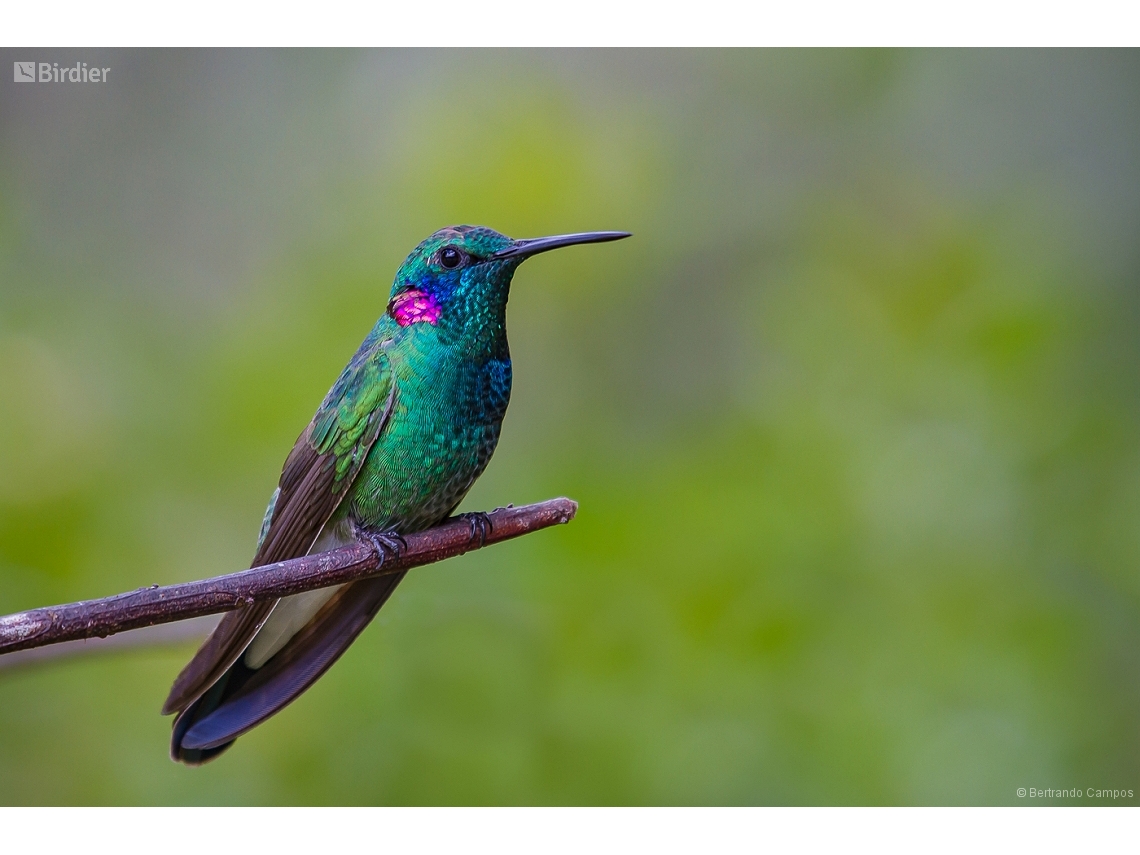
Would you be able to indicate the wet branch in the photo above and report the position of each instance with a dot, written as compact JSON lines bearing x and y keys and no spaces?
{"x":165,"y":604}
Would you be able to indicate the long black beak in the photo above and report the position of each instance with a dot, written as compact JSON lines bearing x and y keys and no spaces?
{"x":533,"y":246}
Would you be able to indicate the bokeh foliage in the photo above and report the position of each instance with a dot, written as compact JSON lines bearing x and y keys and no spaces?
{"x":853,"y":420}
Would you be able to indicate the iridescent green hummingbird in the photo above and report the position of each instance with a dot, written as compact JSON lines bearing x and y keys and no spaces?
{"x":396,"y":444}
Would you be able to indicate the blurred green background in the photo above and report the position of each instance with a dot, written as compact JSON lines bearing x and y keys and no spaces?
{"x":854,"y":419}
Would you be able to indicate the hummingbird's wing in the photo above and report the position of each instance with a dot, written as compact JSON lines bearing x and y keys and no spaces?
{"x":317,"y":473}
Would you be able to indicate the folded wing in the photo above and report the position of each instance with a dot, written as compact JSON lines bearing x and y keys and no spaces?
{"x":317,"y":473}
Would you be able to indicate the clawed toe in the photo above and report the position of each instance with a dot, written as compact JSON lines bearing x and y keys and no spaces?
{"x":388,"y":544}
{"x":480,"y":525}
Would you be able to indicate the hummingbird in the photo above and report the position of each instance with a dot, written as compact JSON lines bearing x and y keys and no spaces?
{"x":404,"y":432}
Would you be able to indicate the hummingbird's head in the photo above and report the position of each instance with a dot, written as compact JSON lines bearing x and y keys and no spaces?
{"x":460,"y":276}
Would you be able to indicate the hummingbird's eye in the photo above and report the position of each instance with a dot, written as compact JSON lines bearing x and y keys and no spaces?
{"x":450,"y":257}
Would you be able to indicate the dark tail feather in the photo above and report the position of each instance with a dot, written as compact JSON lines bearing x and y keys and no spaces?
{"x":200,"y":709}
{"x":244,"y":698}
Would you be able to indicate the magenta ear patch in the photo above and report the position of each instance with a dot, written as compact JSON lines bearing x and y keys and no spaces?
{"x":414,"y":307}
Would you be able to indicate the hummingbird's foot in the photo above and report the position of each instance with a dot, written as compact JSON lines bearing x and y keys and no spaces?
{"x":480,"y":526}
{"x":388,"y":544}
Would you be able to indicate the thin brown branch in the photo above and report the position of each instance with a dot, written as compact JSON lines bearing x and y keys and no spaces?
{"x":165,"y":604}
{"x":148,"y":637}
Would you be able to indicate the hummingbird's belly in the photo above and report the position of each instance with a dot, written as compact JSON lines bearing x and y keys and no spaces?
{"x":431,"y":451}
